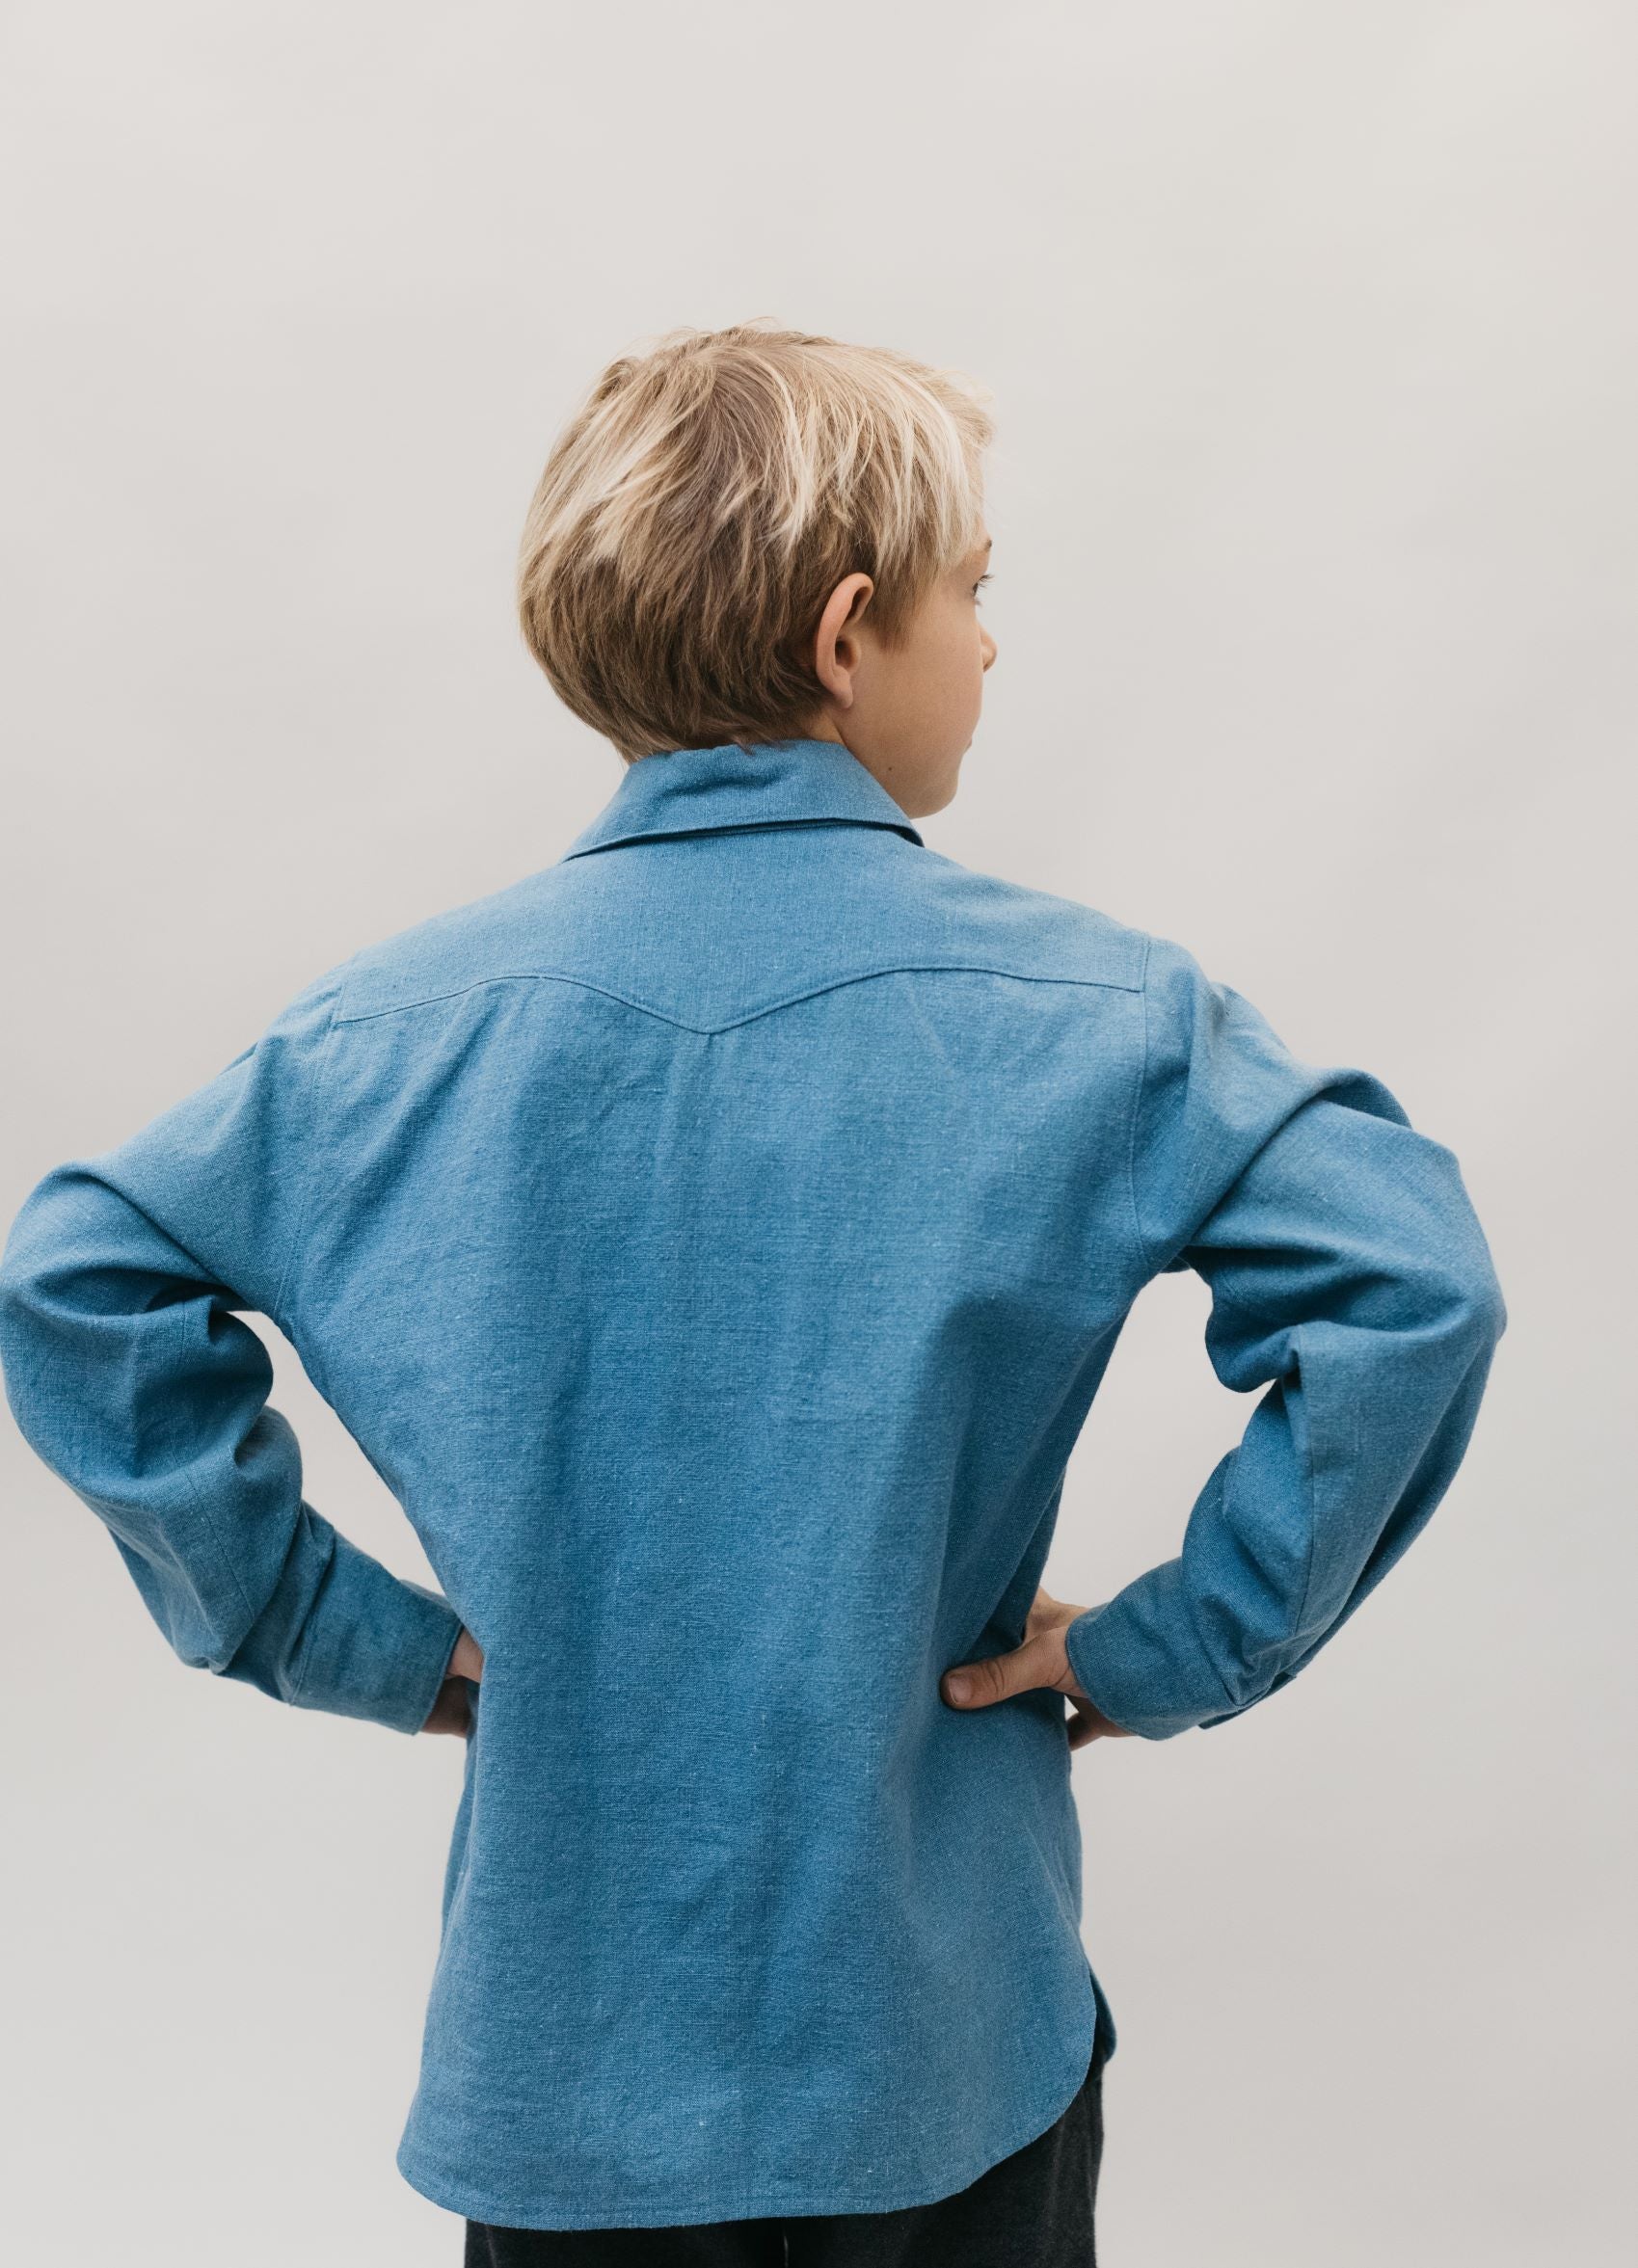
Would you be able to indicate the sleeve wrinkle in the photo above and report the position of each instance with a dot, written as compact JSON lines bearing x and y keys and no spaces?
{"x":1350,"y":1279}
{"x":134,"y":1380}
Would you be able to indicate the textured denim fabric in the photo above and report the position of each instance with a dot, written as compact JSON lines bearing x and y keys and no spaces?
{"x":715,"y":1240}
{"x":1034,"y":2209}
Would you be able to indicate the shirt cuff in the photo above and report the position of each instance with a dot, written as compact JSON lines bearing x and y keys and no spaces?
{"x":378,"y":1647}
{"x":1131,"y":1682}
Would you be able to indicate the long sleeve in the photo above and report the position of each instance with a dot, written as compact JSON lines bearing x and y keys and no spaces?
{"x":1350,"y":1279}
{"x":130,"y":1374}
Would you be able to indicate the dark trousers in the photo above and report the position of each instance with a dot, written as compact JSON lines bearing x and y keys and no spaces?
{"x":1031,"y":2210}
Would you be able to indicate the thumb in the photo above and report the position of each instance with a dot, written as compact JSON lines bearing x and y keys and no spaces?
{"x":466,"y":1660}
{"x":975,"y":1685}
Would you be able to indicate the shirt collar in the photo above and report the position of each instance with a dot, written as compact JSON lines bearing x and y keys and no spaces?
{"x":776,"y":784}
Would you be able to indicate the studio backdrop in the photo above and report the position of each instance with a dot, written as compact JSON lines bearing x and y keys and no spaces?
{"x":1310,"y":340}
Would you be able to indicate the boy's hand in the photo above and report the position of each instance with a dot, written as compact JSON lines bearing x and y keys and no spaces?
{"x":451,"y":1712}
{"x":1042,"y":1660}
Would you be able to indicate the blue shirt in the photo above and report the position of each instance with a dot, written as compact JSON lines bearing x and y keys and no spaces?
{"x":715,"y":1240}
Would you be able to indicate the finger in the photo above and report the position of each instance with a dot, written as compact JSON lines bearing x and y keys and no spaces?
{"x":1104,"y":1728}
{"x":975,"y":1685}
{"x":466,"y":1660}
{"x":448,"y":1712}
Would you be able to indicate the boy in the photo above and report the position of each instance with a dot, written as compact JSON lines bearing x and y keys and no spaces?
{"x":717,"y":1240}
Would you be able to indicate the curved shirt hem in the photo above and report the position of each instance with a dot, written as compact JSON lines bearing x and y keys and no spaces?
{"x":702,"y":2207}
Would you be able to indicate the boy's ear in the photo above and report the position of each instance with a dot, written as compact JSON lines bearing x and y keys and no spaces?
{"x":837,"y":649}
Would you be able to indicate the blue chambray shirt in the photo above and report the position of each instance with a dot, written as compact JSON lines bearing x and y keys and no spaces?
{"x":715,"y":1240}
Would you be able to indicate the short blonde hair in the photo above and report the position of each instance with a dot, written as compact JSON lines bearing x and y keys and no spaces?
{"x":700,"y":507}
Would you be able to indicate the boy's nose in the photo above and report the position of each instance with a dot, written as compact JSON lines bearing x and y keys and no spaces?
{"x":989,"y":649}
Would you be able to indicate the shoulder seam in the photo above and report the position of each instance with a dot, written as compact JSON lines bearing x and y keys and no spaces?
{"x":1145,"y":1250}
{"x":311,"y":1177}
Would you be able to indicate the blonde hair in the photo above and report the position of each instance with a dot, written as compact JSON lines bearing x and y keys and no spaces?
{"x":700,"y":507}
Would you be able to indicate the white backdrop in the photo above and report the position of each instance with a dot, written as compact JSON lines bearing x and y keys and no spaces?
{"x":1312,"y":334}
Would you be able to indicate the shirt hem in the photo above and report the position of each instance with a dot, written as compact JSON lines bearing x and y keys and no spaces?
{"x":702,"y":2207}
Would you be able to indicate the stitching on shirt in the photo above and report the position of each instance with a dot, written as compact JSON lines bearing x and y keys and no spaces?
{"x":769,"y":1008}
{"x":311,"y":1176}
{"x":1144,"y":1248}
{"x":304,"y":1654}
{"x":1236,"y":1702}
{"x":634,"y":841}
{"x":1256,"y":1314}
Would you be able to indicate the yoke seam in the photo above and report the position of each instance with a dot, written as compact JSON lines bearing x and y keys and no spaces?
{"x":752,"y":1016}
